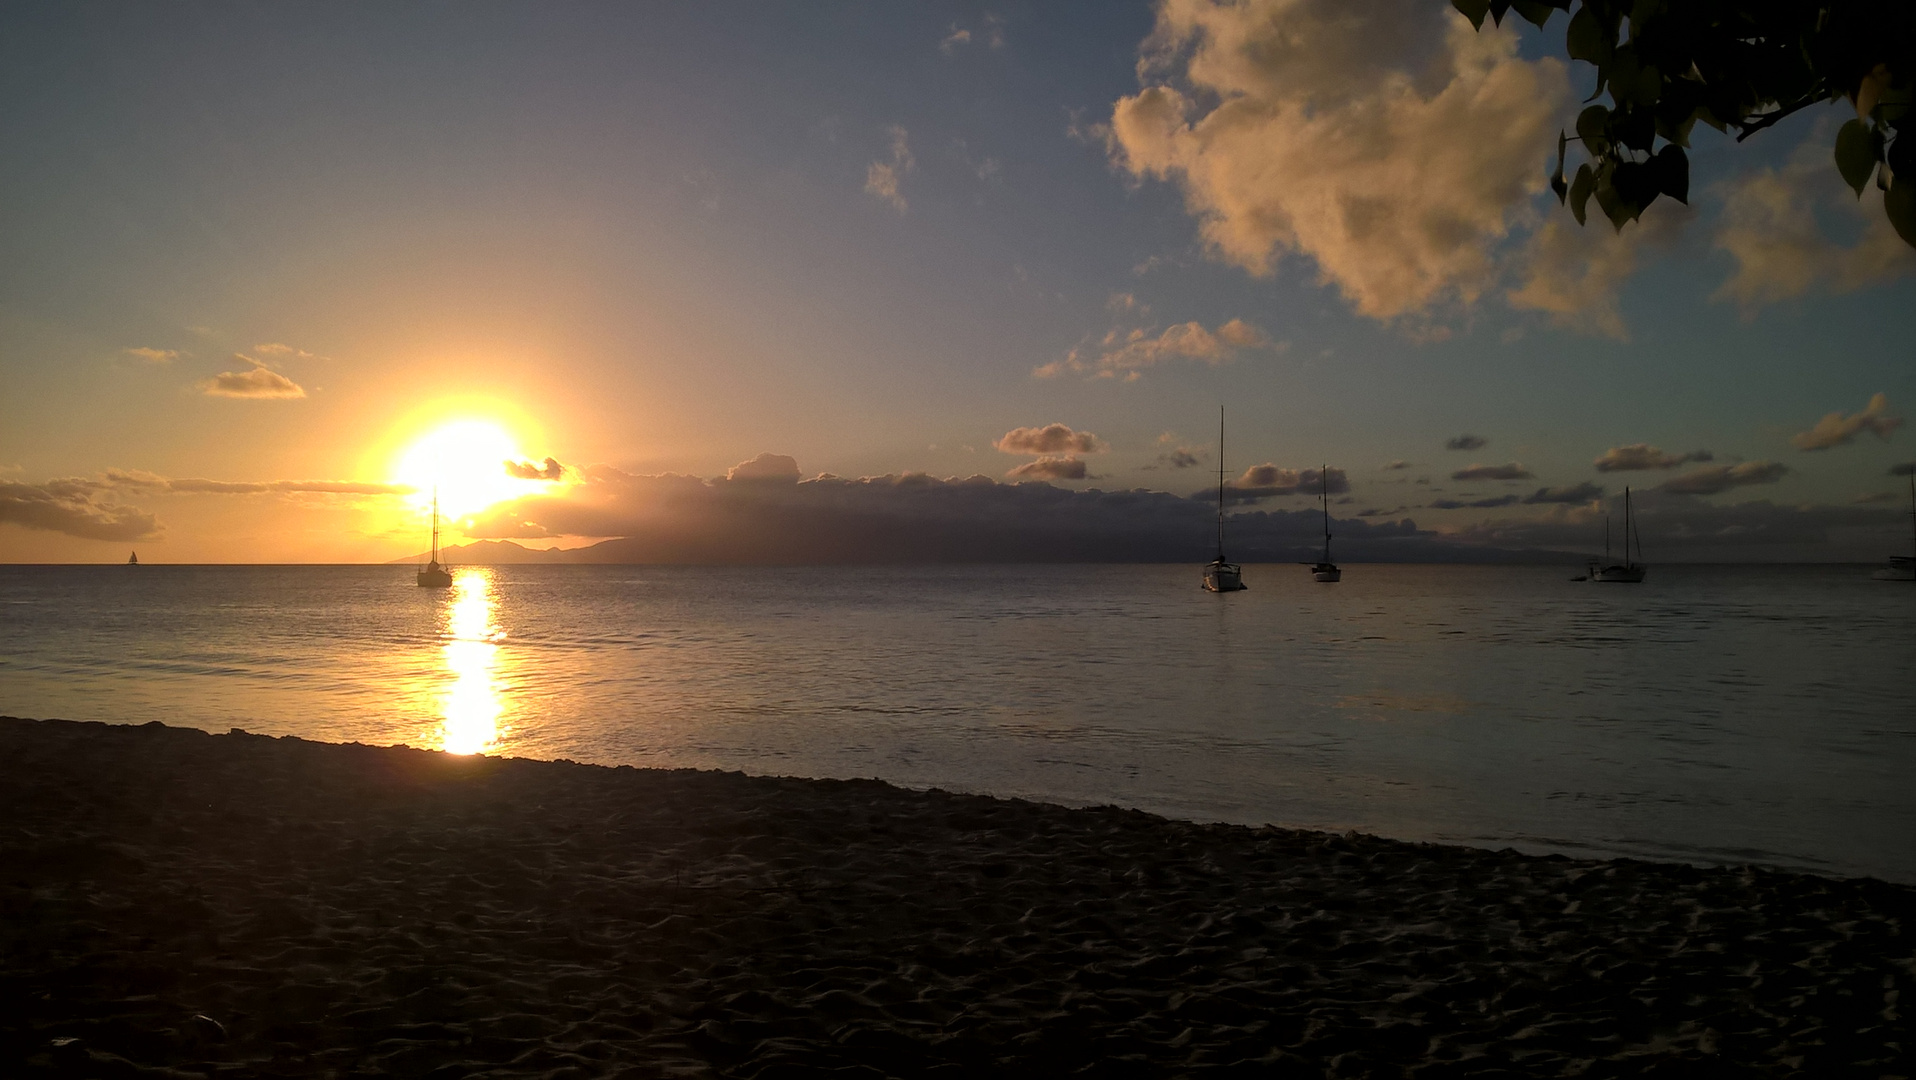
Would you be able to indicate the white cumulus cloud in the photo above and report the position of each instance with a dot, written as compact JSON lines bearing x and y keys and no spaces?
{"x":1391,"y":144}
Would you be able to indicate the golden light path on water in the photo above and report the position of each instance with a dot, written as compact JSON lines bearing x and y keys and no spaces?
{"x":471,"y":705}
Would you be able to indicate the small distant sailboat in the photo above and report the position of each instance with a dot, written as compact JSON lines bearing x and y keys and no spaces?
{"x":1903,"y":567}
{"x":133,"y":559}
{"x":1628,"y":571}
{"x":433,"y":575}
{"x":1222,"y":576}
{"x":1325,"y":569}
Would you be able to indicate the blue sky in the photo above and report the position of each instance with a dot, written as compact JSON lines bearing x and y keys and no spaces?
{"x":668,"y":239}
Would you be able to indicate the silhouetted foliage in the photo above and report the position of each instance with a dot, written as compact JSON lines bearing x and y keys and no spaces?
{"x":1736,"y":65}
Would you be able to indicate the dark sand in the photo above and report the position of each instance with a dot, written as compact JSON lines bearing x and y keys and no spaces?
{"x":248,"y":906}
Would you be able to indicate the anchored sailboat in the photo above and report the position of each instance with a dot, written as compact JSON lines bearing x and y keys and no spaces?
{"x":1628,"y":571}
{"x":1222,"y":576}
{"x":1903,"y":567}
{"x":432,"y":575}
{"x":1325,"y":569}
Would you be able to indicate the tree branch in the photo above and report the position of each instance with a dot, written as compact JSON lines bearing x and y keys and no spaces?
{"x":1769,"y":119}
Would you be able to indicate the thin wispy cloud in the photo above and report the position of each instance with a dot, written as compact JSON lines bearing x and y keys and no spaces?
{"x":992,"y":34}
{"x":1771,"y":226}
{"x":139,"y":480}
{"x":1511,"y":471}
{"x":1637,"y":457}
{"x":1714,"y":479}
{"x":1069,"y":467}
{"x":154,"y":356}
{"x":258,"y":381}
{"x":1479,"y":504}
{"x":883,"y":177}
{"x":1572,"y":273}
{"x":1836,"y":429}
{"x":1572,"y":493}
{"x":1126,"y":354}
{"x":1466,"y":442}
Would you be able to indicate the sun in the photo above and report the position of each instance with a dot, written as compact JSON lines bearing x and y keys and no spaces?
{"x":464,"y":461}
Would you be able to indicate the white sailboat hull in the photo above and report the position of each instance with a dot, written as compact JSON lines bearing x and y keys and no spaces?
{"x":1629,"y":575}
{"x":1223,"y":577}
{"x":1326,"y":573}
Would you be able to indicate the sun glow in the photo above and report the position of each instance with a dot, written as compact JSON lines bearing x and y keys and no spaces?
{"x":465,"y":461}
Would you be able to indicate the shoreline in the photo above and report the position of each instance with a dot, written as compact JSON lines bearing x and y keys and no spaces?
{"x":248,"y":905}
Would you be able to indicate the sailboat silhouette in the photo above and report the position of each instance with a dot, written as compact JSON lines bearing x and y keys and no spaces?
{"x":432,"y":575}
{"x":1222,"y":576}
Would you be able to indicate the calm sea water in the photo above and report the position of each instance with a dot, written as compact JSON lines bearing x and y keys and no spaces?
{"x":1712,"y":714}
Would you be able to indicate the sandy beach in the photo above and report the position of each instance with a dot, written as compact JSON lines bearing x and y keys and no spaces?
{"x":185,"y":904}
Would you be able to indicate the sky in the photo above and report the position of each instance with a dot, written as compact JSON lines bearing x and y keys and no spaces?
{"x":684,"y":275}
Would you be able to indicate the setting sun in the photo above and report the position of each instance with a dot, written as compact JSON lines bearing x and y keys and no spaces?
{"x":465,"y":461}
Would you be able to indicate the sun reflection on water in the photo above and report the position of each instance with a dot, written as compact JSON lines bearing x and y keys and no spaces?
{"x":471,"y":705}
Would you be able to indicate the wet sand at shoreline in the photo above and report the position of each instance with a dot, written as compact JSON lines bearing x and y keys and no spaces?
{"x":249,"y":906}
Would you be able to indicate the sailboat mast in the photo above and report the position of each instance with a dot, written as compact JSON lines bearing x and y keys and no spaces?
{"x":1220,"y":483}
{"x":1324,"y":484}
{"x":435,"y":525}
{"x":1626,"y":528}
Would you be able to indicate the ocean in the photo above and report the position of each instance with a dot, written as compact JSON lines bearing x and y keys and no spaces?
{"x":1710,"y":715}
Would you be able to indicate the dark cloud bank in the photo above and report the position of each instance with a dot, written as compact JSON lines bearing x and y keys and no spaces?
{"x":918,"y":518}
{"x":764,"y":514}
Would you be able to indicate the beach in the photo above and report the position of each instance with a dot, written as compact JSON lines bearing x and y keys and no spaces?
{"x":178,"y":903}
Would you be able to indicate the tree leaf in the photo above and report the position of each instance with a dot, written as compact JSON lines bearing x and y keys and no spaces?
{"x":1634,"y":126}
{"x":1902,"y":152}
{"x":1618,"y":209}
{"x":1474,"y":10}
{"x":1672,"y":168}
{"x":1580,"y":190}
{"x":1641,"y":12}
{"x":1856,"y":154}
{"x":1636,"y":188}
{"x":1623,"y":72}
{"x":1900,"y":205}
{"x":1593,"y":126}
{"x":1869,"y":90}
{"x":1536,"y":11}
{"x":1586,"y":39}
